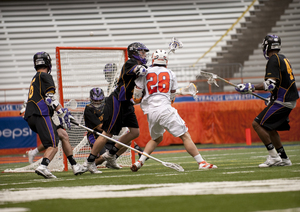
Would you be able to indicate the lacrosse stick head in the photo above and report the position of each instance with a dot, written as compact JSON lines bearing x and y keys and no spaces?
{"x":175,"y":44}
{"x":211,"y":78}
{"x":109,"y":71}
{"x":193,"y":89}
{"x":72,"y":104}
{"x":173,"y":166}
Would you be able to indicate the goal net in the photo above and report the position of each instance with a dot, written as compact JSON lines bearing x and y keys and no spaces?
{"x":79,"y":69}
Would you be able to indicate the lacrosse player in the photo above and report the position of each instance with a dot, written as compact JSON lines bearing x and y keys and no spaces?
{"x":280,"y":81}
{"x":40,"y":107}
{"x":110,"y":70}
{"x":118,"y":109}
{"x":159,"y":86}
{"x":93,"y":117}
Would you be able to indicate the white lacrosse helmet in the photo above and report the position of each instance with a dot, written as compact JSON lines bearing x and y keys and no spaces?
{"x":160,"y":57}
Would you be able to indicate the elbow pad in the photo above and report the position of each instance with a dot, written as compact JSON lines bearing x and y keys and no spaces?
{"x":51,"y":101}
{"x":137,"y":95}
{"x":269,"y":85}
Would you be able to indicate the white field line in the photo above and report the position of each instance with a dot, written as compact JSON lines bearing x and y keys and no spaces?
{"x":171,"y":189}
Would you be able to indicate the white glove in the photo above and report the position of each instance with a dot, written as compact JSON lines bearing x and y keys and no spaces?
{"x":141,"y":70}
{"x":64,"y":117}
{"x":245,"y":88}
{"x":23,"y":108}
{"x":137,"y":95}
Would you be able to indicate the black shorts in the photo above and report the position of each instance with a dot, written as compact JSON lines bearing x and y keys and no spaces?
{"x":118,"y":114}
{"x":45,"y":128}
{"x":274,"y":117}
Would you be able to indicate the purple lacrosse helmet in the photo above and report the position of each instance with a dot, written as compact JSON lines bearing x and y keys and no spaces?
{"x":133,"y":51}
{"x":270,"y":42}
{"x":97,"y":97}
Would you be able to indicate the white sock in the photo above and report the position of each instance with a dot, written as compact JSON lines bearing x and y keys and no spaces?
{"x":273,"y":152}
{"x":143,"y":159}
{"x":35,"y":151}
{"x":198,"y":158}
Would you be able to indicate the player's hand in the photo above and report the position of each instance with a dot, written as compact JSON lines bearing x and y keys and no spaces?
{"x":141,"y":70}
{"x":245,"y":88}
{"x":64,"y":117}
{"x":268,"y":100}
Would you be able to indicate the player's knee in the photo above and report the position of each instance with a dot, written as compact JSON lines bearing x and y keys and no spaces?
{"x":135,"y":132}
{"x":255,"y":125}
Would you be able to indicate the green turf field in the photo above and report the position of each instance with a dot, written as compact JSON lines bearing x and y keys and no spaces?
{"x":237,"y":185}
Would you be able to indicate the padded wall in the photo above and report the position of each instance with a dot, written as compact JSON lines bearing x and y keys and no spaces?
{"x":218,"y":122}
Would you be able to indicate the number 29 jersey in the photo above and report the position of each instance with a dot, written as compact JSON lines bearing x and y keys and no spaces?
{"x":157,"y":85}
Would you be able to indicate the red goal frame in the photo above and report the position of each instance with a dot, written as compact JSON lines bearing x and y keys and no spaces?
{"x":59,"y":80}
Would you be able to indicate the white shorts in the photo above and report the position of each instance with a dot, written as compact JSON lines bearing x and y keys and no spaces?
{"x":166,"y":119}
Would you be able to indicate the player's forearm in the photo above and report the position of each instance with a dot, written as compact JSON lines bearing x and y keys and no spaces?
{"x":259,"y":86}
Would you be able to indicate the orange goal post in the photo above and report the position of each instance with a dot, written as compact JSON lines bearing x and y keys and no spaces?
{"x":79,"y":69}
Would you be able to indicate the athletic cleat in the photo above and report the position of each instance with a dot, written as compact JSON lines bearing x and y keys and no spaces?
{"x":285,"y":162}
{"x":205,"y":165}
{"x":111,"y":161}
{"x":136,"y":166}
{"x":44,"y":171}
{"x":79,"y":169}
{"x":30,"y":156}
{"x":271,"y":161}
{"x":91,"y":167}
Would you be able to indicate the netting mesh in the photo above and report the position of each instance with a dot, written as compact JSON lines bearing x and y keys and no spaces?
{"x":81,"y":70}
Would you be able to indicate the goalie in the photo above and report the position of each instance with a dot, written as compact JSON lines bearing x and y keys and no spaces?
{"x":159,"y":86}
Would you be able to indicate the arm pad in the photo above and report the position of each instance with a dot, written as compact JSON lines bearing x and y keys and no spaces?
{"x":51,"y":101}
{"x":137,"y":95}
{"x":269,"y":85}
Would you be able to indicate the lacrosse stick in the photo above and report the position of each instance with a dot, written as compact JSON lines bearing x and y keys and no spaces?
{"x":166,"y":164}
{"x":175,"y":44}
{"x":212,"y":79}
{"x":191,"y":89}
{"x":72,"y":104}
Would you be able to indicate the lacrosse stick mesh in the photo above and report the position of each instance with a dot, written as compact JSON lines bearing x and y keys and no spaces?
{"x":173,"y":166}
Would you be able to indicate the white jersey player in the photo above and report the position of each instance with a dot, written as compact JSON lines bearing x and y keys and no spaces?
{"x":158,"y":87}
